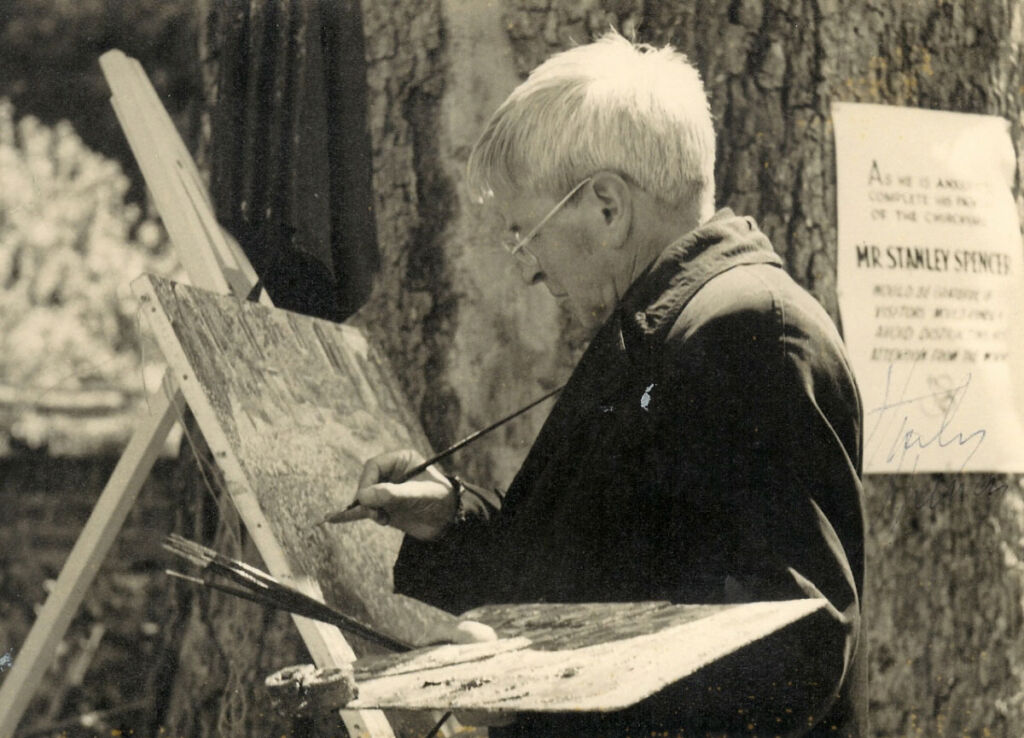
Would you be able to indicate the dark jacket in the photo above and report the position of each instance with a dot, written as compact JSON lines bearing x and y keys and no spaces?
{"x":707,"y":449}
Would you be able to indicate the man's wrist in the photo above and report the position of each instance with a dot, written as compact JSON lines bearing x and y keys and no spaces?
{"x":458,"y":491}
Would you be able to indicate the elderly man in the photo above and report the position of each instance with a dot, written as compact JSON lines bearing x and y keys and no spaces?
{"x":707,"y":447}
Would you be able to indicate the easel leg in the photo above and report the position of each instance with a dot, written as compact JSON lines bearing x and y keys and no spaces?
{"x":86,"y":556}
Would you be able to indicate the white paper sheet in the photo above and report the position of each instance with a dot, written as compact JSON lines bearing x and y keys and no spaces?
{"x":929,"y":282}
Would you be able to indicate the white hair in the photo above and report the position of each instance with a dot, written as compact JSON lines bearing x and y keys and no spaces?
{"x":613,"y":105}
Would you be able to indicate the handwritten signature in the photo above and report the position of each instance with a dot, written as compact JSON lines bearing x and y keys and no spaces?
{"x":908,"y":442}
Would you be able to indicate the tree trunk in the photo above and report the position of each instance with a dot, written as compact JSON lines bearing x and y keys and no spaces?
{"x":470,"y":343}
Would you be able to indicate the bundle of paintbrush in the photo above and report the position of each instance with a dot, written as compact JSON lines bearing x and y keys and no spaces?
{"x":237,"y":578}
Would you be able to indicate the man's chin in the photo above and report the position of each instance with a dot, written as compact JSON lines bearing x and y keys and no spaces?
{"x":586,"y":318}
{"x":589,"y":321}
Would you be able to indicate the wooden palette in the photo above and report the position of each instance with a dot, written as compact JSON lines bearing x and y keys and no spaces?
{"x":560,"y":658}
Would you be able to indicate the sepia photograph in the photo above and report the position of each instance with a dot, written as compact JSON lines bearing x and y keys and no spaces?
{"x":511,"y":368}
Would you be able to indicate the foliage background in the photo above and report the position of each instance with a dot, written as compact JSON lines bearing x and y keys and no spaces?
{"x":75,"y":226}
{"x":69,"y":245}
{"x":49,"y":69}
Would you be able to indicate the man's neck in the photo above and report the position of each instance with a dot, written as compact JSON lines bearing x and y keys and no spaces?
{"x":655,"y":227}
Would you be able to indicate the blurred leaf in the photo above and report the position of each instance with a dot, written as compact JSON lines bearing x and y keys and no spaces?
{"x":68,"y":250}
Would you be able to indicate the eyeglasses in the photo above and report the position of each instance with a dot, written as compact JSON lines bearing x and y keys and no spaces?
{"x":516,"y":244}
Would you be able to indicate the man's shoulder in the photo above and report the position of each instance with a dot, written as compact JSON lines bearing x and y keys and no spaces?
{"x":756,"y":321}
{"x":754,"y":300}
{"x":745,"y":299}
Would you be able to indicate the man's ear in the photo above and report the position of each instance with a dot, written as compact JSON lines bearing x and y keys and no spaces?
{"x":615,"y":200}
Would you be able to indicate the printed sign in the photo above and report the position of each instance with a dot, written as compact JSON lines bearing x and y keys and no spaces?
{"x":929,"y":282}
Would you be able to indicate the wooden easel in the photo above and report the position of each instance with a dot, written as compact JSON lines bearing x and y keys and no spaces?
{"x":214,"y":262}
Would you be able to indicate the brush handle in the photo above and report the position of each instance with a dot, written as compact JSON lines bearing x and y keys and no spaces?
{"x":341,"y":517}
{"x":256,"y":585}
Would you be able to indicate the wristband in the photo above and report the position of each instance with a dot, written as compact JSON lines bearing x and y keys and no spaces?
{"x":460,"y":489}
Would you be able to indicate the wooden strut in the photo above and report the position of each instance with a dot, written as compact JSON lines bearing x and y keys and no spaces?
{"x":83,"y":563}
{"x":215,"y":262}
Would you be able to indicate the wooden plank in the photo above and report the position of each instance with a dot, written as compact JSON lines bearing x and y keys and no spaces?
{"x":83,"y":563}
{"x":234,"y":265}
{"x":170,"y":170}
{"x":189,"y":183}
{"x":162,"y":126}
{"x":160,"y":168}
{"x":563,"y":658}
{"x":130,"y":104}
{"x":214,"y":261}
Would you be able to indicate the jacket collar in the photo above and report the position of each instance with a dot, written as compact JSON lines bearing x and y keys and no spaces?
{"x":649,"y":309}
{"x":653,"y":303}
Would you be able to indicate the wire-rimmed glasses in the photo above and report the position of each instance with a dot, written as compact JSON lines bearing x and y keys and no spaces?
{"x":516,"y":244}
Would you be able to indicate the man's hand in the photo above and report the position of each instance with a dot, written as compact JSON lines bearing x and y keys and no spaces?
{"x":422,"y":507}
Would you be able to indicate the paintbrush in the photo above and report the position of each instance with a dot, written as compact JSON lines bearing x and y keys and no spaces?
{"x":338,"y":517}
{"x":255,"y":585}
{"x":226,"y":589}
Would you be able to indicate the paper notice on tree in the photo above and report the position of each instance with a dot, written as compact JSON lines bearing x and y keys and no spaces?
{"x":929,"y":283}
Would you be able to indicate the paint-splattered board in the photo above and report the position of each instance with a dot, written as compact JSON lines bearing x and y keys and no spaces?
{"x":560,"y":658}
{"x":292,"y":406}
